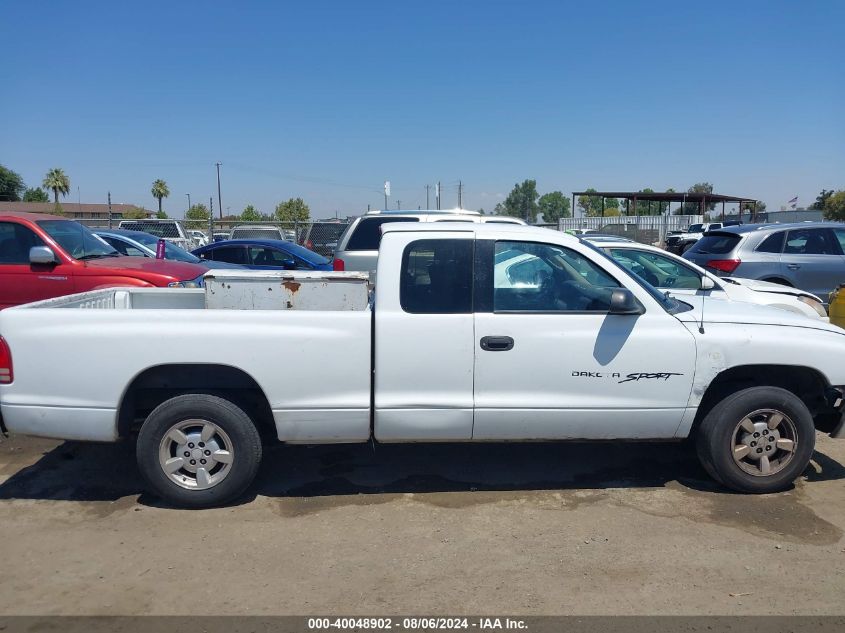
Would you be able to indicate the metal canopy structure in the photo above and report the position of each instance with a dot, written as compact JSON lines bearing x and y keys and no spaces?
{"x":702,"y":199}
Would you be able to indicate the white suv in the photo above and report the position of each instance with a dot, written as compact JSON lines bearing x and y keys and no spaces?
{"x":357,"y":248}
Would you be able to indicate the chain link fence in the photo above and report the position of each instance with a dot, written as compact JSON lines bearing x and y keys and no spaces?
{"x":646,"y":229}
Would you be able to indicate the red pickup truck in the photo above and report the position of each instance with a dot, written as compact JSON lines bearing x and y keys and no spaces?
{"x":45,"y":256}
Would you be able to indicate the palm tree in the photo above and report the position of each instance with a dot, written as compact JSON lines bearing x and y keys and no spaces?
{"x":160,"y":191}
{"x":57,"y":180}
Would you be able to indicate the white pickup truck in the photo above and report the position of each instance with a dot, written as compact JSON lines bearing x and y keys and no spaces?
{"x":479,"y":332}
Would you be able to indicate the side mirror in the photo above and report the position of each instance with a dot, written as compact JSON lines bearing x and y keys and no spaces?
{"x":707,"y":283}
{"x":289,"y":264}
{"x":623,"y":301}
{"x":42,"y":255}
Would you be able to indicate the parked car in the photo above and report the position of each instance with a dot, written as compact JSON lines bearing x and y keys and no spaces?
{"x":683,"y":241}
{"x":598,"y":238}
{"x":45,"y":256}
{"x":170,"y":230}
{"x":680,"y":277}
{"x":257,"y":232}
{"x":322,"y":237}
{"x":805,"y":255}
{"x":358,"y":246}
{"x":263,"y":255}
{"x":140,"y":244}
{"x":200,"y":238}
{"x":445,"y":354}
{"x":220,"y":236}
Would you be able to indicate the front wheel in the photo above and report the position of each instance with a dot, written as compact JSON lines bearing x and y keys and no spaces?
{"x":198,"y":450}
{"x":757,"y":440}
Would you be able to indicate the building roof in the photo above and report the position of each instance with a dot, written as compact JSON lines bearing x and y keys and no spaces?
{"x":70,"y":209}
{"x":658,"y":196}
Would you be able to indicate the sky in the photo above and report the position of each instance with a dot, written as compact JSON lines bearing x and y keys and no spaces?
{"x":327,"y":100}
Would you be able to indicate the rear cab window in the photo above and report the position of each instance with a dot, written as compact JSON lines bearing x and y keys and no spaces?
{"x":366,"y":236}
{"x":437,"y":277}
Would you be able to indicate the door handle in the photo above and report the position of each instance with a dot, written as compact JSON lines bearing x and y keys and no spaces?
{"x":496,"y":343}
{"x":793,"y":266}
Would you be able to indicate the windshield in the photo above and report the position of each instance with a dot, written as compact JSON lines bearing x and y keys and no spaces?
{"x":171,"y":251}
{"x":669,"y":303}
{"x":695,"y":228}
{"x":303,"y":253}
{"x":76,"y":240}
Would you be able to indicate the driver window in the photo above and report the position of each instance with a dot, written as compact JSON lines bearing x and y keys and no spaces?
{"x":15,"y":242}
{"x":658,"y":270}
{"x":533,"y":277}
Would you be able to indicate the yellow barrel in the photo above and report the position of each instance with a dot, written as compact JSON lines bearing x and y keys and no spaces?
{"x":837,"y":306}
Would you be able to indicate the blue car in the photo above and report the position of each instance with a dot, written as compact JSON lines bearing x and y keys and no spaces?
{"x":264,"y":255}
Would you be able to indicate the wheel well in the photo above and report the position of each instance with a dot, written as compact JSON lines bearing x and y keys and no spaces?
{"x":155,"y":385}
{"x":806,"y":383}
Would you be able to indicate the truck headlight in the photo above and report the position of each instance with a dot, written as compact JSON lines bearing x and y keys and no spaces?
{"x":190,"y":283}
{"x":814,"y":303}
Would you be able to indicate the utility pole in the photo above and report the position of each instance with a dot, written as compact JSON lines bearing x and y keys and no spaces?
{"x":460,"y":195}
{"x":109,"y":209}
{"x":399,"y":205}
{"x":219,"y":203}
{"x":427,"y":187}
{"x":189,"y":201}
{"x":211,"y":207}
{"x":438,"y":195}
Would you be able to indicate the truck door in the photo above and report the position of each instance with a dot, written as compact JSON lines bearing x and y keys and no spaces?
{"x":424,"y":338}
{"x":552,"y":363}
{"x":22,"y":281}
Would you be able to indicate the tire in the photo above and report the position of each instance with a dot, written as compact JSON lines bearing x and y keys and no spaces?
{"x":768,"y":461}
{"x":686,"y":247}
{"x":217,"y":443}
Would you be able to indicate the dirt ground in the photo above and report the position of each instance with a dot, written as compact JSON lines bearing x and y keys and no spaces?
{"x":421,"y":529}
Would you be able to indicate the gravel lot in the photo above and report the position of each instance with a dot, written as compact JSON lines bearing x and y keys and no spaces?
{"x":413,"y":529}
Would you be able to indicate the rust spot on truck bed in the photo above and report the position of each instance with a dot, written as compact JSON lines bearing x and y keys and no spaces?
{"x":293,"y":286}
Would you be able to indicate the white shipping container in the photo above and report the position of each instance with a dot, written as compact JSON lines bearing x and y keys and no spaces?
{"x":286,"y":290}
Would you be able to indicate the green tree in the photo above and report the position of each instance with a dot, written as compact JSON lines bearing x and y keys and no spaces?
{"x":692,"y":208}
{"x":136,"y":213}
{"x":197,"y":216}
{"x":522,"y":201}
{"x":554,"y":205}
{"x":36,"y":194}
{"x":250,"y":214}
{"x":161,"y":215}
{"x":159,"y":191}
{"x":821,"y":199}
{"x":57,"y":181}
{"x":293,"y":210}
{"x":11,"y":185}
{"x":834,"y":206}
{"x":591,"y":205}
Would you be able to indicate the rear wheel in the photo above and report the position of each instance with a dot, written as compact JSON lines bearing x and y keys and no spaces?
{"x":757,"y":440}
{"x":198,"y":450}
